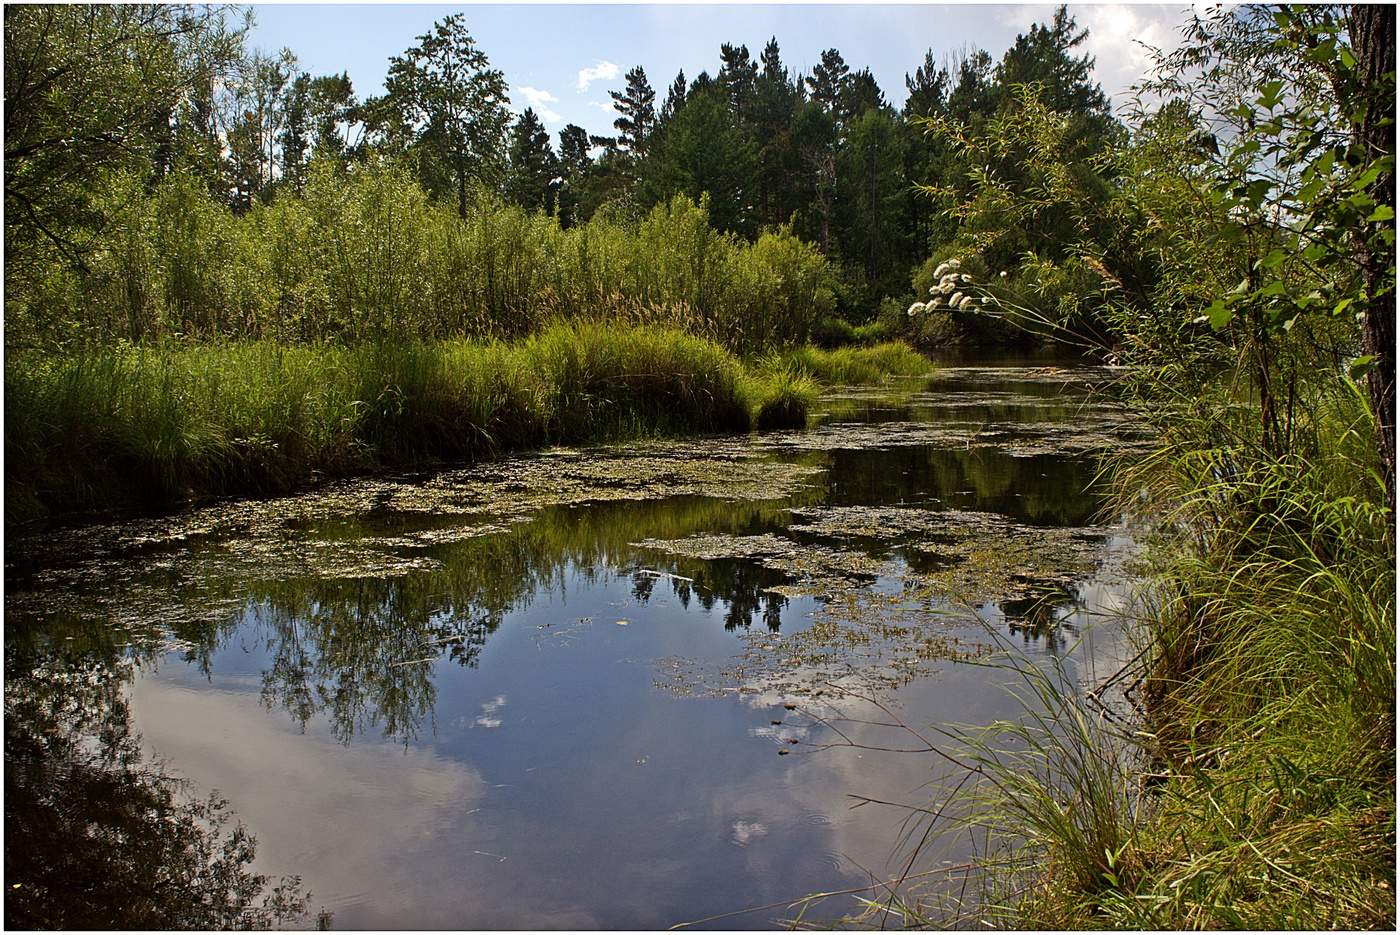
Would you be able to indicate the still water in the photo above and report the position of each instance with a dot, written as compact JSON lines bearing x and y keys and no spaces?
{"x":622,"y":687}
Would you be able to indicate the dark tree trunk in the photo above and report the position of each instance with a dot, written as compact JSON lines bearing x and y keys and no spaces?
{"x":1372,"y":31}
{"x":461,"y":187}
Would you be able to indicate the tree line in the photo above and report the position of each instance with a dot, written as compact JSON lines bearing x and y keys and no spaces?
{"x":93,"y":92}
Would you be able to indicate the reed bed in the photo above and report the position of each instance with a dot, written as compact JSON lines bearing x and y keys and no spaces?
{"x":146,"y":427}
{"x":366,"y":256}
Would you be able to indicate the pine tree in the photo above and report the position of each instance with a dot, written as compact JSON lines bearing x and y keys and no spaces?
{"x":675,"y":100}
{"x":860,"y":94}
{"x":705,"y":151}
{"x":575,"y":160}
{"x":775,"y":103}
{"x":636,"y":104}
{"x":928,"y":89}
{"x":534,"y":169}
{"x":737,"y":77}
{"x":827,"y":81}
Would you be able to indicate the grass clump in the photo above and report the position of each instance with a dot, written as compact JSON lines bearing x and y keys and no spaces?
{"x":780,"y":398}
{"x":852,"y":365}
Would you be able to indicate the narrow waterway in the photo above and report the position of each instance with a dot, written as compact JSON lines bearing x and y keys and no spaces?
{"x":621,"y":687}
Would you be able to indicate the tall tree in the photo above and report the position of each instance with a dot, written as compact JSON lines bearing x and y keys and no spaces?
{"x":704,"y":150}
{"x":533,"y":165}
{"x":872,"y":198}
{"x":928,"y":88}
{"x":860,"y":94}
{"x":332,"y":110}
{"x":828,"y":80}
{"x":1371,"y":29}
{"x":90,"y":94}
{"x":775,"y":103}
{"x":737,"y":76}
{"x":575,"y":160}
{"x":675,"y":100}
{"x":814,"y":138}
{"x":636,"y":105}
{"x":454,"y":102}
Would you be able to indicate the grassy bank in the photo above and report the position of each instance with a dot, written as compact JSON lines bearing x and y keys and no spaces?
{"x":149,"y":427}
{"x":1256,"y":787}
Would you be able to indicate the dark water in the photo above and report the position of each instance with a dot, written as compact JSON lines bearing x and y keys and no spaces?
{"x":583,"y":689}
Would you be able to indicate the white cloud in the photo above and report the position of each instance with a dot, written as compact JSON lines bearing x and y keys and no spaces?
{"x":603,"y":71}
{"x":538,"y":100}
{"x":1121,"y":38}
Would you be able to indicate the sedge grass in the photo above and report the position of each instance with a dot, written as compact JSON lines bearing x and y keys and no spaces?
{"x":129,"y":427}
{"x":1257,"y":791}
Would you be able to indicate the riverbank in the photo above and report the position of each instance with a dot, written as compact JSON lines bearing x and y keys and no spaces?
{"x":130,"y":428}
{"x":1254,"y":786}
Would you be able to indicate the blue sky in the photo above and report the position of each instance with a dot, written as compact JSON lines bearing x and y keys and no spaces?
{"x":563,"y":59}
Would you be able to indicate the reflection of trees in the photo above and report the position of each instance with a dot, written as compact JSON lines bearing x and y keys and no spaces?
{"x":1040,"y":616}
{"x":97,"y":839}
{"x":361,"y":650}
{"x":744,"y":586}
{"x":1044,"y":489}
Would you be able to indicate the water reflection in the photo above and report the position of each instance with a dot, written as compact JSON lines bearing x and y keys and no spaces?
{"x":98,"y":836}
{"x":479,"y":686}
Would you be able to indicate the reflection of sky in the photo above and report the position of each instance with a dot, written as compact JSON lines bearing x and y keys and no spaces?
{"x":554,"y":784}
{"x":558,"y":787}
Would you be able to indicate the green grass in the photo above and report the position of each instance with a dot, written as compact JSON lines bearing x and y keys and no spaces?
{"x":1258,"y":790}
{"x":143,"y":428}
{"x":852,"y":365}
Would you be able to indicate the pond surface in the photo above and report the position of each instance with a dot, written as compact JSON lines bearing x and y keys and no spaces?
{"x":622,"y":687}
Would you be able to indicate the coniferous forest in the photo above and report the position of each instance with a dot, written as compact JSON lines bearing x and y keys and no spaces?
{"x":227,"y":276}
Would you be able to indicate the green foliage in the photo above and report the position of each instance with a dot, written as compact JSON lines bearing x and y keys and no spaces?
{"x":128,"y":426}
{"x":367,"y":254}
{"x":851,"y":365}
{"x":93,"y":93}
{"x":445,"y":88}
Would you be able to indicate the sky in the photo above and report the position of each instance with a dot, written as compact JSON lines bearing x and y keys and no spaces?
{"x":563,"y":59}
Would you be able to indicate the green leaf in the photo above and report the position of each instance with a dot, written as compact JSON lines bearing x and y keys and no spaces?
{"x":1218,"y":315}
{"x":1367,"y":177}
{"x":1270,"y":93}
{"x":1348,"y":59}
{"x":1310,"y":191}
{"x":1271,"y":260}
{"x":1382,"y":213}
{"x":1341,"y":306}
{"x":1361,"y":366}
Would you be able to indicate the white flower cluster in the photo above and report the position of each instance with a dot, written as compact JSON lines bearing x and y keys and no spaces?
{"x":947,"y":293}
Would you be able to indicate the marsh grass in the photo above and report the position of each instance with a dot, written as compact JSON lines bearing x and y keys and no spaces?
{"x":1257,"y":788}
{"x":146,"y":427}
{"x":853,"y":365}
